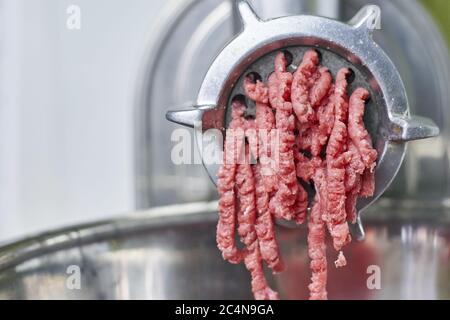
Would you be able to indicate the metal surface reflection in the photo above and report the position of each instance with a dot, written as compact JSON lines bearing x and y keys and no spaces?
{"x":171,"y":253}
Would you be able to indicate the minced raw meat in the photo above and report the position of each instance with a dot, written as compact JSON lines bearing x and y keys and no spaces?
{"x":336,"y":164}
{"x":317,"y":237}
{"x":245,"y":185}
{"x":265,"y":226}
{"x":307,"y":131}
{"x":265,"y":124}
{"x":303,"y":79}
{"x":284,"y":202}
{"x":226,"y":188}
{"x":357,"y":131}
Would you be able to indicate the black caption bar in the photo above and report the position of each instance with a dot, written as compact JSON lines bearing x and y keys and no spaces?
{"x":218,"y":309}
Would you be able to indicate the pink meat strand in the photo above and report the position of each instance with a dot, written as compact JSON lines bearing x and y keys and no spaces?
{"x":265,"y":177}
{"x":260,"y":287}
{"x":283,"y":203}
{"x":321,"y":87}
{"x":265,"y":125}
{"x":226,"y":227}
{"x":357,"y":131}
{"x":316,"y":239}
{"x":245,"y":184}
{"x":355,"y":167}
{"x":351,"y":200}
{"x":325,"y":114}
{"x":317,"y":251}
{"x":353,"y":171}
{"x":368,"y":184}
{"x":336,"y":162}
{"x":301,"y":86}
{"x":265,"y":228}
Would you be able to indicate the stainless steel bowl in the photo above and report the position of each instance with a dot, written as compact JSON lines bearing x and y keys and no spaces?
{"x":171,"y":253}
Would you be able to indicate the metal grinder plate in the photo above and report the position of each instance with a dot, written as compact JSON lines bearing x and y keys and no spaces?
{"x":341,"y":45}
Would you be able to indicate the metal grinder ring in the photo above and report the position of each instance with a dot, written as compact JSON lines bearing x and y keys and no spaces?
{"x":341,"y":45}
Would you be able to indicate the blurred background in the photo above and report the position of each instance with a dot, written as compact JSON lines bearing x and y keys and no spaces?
{"x":84,"y":87}
{"x":82,"y":129}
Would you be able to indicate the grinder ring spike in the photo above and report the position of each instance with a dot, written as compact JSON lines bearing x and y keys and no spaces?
{"x":341,"y":45}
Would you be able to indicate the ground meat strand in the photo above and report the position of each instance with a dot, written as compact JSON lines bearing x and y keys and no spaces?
{"x":265,"y":124}
{"x":245,"y":184}
{"x":353,"y":171}
{"x":350,"y":204}
{"x":282,"y":205}
{"x":265,"y":226}
{"x":226,"y":187}
{"x":336,"y":163}
{"x":357,"y":131}
{"x":321,"y":88}
{"x":265,"y":177}
{"x":316,"y":240}
{"x":355,"y":167}
{"x":260,"y":287}
{"x":301,"y":86}
{"x":317,"y":254}
{"x":324,"y":118}
{"x":368,"y":184}
{"x":227,"y":215}
{"x":268,"y":163}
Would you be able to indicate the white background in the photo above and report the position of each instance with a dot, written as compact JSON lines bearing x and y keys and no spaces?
{"x":66,"y":100}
